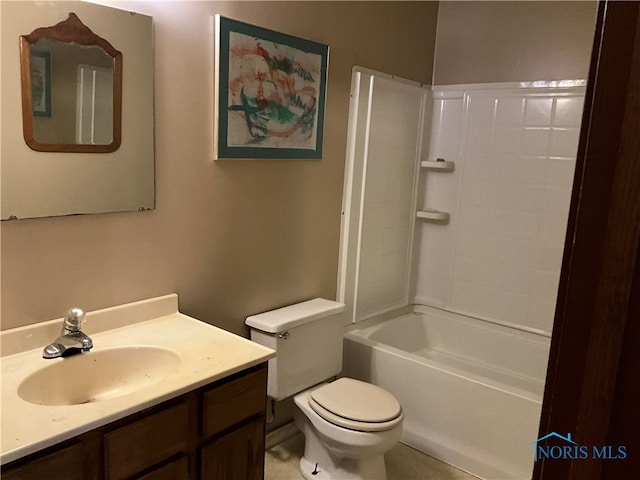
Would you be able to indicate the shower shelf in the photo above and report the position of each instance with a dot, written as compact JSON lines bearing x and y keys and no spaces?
{"x":433,"y":216}
{"x":438,"y":165}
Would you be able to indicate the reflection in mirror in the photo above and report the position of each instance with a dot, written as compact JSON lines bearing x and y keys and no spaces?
{"x":71,"y":89}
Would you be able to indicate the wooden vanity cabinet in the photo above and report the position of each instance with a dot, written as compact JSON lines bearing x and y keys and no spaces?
{"x":215,"y":432}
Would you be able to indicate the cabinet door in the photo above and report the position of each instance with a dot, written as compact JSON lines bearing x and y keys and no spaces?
{"x":65,"y":464}
{"x":238,"y":455}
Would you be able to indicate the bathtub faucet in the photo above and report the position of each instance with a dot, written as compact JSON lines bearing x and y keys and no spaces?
{"x":72,"y":338}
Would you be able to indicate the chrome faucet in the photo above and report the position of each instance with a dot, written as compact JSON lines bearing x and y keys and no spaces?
{"x":71,"y":339}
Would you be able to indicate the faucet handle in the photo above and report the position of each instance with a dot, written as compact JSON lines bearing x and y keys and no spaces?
{"x":74,"y":320}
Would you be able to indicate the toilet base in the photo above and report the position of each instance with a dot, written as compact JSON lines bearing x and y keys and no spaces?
{"x":341,"y":453}
{"x":349,"y":469}
{"x":320,"y":463}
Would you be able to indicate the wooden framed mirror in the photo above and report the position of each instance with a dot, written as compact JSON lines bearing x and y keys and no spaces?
{"x":71,"y":82}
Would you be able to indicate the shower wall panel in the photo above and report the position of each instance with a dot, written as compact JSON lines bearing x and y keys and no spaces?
{"x":499,"y":258}
{"x":385,"y":140}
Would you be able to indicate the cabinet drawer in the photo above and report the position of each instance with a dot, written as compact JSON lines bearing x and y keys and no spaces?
{"x":234,"y":402}
{"x":145,"y":442}
{"x":65,"y":464}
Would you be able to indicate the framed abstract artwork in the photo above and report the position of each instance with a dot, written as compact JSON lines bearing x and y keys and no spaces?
{"x":270,"y":91}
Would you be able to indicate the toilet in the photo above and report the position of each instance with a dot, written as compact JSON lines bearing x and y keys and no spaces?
{"x":348,"y":425}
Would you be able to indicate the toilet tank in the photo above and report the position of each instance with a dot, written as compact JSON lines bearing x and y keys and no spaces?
{"x":307,"y":338}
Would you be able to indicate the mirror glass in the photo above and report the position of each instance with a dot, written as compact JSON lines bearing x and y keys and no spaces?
{"x":71,"y":89}
{"x":70,"y":144}
{"x":72,"y":100}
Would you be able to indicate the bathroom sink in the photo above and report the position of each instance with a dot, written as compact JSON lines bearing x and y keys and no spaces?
{"x":98,"y":375}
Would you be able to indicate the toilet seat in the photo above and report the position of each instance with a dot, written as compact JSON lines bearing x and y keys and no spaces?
{"x":356,"y":405}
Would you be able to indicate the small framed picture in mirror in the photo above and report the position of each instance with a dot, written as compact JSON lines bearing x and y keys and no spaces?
{"x":41,"y":83}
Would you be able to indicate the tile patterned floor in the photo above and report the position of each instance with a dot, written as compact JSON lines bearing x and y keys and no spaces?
{"x":403,"y":463}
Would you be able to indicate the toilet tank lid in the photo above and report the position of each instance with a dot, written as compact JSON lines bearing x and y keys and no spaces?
{"x":282,"y":319}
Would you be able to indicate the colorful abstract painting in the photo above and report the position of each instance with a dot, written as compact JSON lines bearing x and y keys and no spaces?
{"x":270,"y":93}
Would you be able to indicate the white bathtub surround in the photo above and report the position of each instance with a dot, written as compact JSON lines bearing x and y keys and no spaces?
{"x":471,"y":391}
{"x":491,"y":190}
{"x":514,"y":148}
{"x":489,"y":217}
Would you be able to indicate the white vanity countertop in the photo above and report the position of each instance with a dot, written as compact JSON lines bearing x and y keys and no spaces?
{"x":207,"y":353}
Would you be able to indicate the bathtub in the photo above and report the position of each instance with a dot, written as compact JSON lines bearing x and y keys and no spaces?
{"x":471,"y":390}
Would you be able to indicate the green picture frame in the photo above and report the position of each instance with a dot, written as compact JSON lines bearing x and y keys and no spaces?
{"x":270,"y":91}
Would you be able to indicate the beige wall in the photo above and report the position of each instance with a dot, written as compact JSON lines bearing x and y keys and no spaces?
{"x":232,"y":238}
{"x":512,"y":41}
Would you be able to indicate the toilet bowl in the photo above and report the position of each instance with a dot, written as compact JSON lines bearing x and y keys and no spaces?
{"x":348,"y":426}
